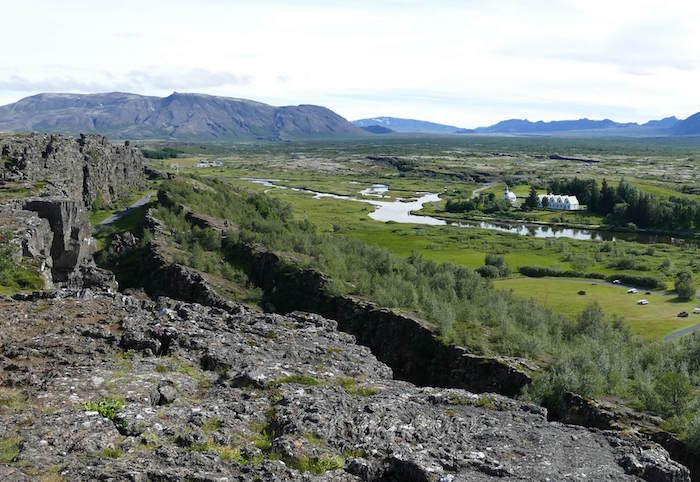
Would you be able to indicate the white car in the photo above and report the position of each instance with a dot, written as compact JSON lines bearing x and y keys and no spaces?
{"x":616,"y":282}
{"x":642,"y":302}
{"x":632,"y":290}
{"x":696,"y":311}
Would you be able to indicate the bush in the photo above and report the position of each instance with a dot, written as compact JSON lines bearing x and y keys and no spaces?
{"x":641,"y":281}
{"x":684,"y":285}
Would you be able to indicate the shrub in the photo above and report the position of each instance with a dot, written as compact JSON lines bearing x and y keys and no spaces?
{"x":684,"y":285}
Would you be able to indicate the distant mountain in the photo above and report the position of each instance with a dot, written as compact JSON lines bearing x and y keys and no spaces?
{"x":524,"y":126}
{"x":688,"y":127}
{"x":178,"y":116}
{"x":665,"y":123}
{"x":375,"y":129}
{"x":408,"y":125}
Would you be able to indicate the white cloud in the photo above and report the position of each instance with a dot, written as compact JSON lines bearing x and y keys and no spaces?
{"x":466,"y":63}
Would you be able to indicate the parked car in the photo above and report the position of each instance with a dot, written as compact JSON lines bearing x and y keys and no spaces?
{"x":642,"y":302}
{"x":696,"y":311}
{"x":683,"y":314}
{"x":616,"y":282}
{"x":632,"y":290}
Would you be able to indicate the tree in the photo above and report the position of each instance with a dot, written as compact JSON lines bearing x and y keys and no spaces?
{"x":532,"y":201}
{"x":685,"y":288}
{"x":675,"y":390}
{"x":606,"y":203}
{"x":545,"y":202}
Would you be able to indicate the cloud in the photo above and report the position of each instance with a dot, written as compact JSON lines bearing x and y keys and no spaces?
{"x":192,"y":79}
{"x":144,"y":80}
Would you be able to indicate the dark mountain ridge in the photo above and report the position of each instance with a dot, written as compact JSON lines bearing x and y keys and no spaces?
{"x":177,"y":116}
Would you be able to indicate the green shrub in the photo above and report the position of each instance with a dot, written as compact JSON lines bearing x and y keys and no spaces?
{"x":684,"y":285}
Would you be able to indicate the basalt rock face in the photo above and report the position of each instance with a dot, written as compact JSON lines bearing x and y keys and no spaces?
{"x":52,"y":225}
{"x":201,"y":393}
{"x":604,"y":415}
{"x":71,"y":244}
{"x":87,"y":168}
{"x":404,"y":342}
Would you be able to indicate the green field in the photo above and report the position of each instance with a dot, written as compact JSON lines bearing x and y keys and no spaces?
{"x":655,"y":320}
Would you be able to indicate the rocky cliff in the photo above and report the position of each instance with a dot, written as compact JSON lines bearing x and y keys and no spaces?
{"x":102,"y":386}
{"x":88,"y":168}
{"x":64,"y":177}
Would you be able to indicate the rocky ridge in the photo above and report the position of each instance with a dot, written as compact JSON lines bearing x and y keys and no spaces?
{"x":209,"y":394}
{"x":63,"y":176}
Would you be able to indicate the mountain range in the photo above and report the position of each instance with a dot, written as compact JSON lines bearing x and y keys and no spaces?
{"x":669,"y":126}
{"x":177,"y":116}
{"x":184,"y":117}
{"x":395,"y":124}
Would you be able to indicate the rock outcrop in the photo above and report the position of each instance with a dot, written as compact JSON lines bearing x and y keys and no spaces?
{"x":66,"y":177}
{"x":88,"y":168}
{"x":102,"y":386}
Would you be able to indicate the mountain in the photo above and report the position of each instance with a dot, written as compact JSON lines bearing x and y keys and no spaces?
{"x":178,"y":116}
{"x":524,"y":126}
{"x":665,"y":123}
{"x":689,"y":126}
{"x":408,"y":125}
{"x":375,"y":129}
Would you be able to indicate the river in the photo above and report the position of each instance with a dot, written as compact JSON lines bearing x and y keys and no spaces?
{"x":400,"y":211}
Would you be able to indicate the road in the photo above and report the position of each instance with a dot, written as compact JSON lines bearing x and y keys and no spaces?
{"x":685,"y":331}
{"x":475,"y":192}
{"x":117,"y":216}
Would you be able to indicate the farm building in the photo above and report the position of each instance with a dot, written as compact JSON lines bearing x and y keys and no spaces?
{"x":559,"y":201}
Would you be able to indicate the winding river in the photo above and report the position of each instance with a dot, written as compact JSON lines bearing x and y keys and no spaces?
{"x":401,"y":212}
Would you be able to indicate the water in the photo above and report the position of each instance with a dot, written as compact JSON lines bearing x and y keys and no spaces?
{"x":400,"y":212}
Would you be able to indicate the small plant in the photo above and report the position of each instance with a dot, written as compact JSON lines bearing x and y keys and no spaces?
{"x":211,"y":426}
{"x":107,"y":407}
{"x":350,"y":385}
{"x":317,"y":465}
{"x":9,"y":449}
{"x":110,"y":453}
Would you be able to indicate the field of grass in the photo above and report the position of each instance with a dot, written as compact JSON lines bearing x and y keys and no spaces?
{"x":654,"y":321}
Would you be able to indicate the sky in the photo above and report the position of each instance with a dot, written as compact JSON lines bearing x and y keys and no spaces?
{"x":468,"y":63}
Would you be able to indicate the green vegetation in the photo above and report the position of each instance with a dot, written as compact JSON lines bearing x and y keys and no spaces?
{"x":13,"y":275}
{"x":9,"y":449}
{"x":317,"y":465}
{"x":685,"y":288}
{"x":108,"y":408}
{"x":351,"y":386}
{"x":161,"y":153}
{"x":110,"y":453}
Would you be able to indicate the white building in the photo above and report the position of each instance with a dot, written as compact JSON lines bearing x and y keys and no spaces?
{"x":510,"y":197}
{"x":561,"y":202}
